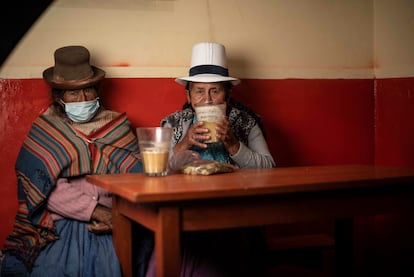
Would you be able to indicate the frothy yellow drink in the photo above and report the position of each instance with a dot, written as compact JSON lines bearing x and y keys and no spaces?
{"x":211,"y":126}
{"x":210,"y":115}
{"x":155,"y":162}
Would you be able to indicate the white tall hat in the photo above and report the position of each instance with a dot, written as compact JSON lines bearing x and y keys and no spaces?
{"x":208,"y":65}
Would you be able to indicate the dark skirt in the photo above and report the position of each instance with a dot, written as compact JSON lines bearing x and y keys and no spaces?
{"x":221,"y":253}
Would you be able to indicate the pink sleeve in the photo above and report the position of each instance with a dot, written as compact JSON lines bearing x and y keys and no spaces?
{"x":69,"y":199}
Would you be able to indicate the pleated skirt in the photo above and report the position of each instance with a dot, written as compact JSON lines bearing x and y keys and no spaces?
{"x":78,"y":252}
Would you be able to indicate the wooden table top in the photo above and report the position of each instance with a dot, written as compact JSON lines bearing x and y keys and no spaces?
{"x":136,"y":187}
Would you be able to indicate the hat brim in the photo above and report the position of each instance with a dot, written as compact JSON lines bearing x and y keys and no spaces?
{"x":98,"y":75}
{"x":207,"y":78}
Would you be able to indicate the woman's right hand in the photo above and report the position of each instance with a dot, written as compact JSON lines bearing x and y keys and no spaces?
{"x":194,"y":136}
{"x":182,"y":159}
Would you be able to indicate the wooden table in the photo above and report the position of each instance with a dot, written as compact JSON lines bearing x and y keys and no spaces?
{"x":248,"y":197}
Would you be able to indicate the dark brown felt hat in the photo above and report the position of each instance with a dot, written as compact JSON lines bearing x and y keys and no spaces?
{"x":72,"y":69}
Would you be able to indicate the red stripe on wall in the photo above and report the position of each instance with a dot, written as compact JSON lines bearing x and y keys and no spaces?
{"x":310,"y":122}
{"x":307,"y":122}
{"x":394,"y":119}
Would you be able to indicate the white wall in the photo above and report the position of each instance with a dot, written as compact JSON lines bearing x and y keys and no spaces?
{"x":394,"y":38}
{"x":264,"y":38}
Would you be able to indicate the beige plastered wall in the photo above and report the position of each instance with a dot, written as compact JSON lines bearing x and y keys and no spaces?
{"x":265,"y":39}
{"x":393,"y":38}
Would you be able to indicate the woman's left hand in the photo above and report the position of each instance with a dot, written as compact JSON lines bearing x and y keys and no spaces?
{"x":99,"y":228}
{"x":225,"y":134}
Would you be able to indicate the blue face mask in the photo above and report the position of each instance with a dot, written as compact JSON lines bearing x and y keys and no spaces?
{"x":81,"y":111}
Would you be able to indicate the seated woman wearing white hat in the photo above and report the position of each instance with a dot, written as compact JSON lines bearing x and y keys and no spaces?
{"x":241,"y":142}
{"x":63,"y":223}
{"x":240,"y":133}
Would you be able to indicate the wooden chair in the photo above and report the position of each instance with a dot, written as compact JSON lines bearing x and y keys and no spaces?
{"x":306,"y":249}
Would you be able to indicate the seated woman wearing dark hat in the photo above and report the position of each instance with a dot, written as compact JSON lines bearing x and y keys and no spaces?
{"x":63,"y":223}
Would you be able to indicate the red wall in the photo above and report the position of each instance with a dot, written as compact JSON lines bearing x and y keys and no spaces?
{"x":394,"y":117}
{"x":307,"y":122}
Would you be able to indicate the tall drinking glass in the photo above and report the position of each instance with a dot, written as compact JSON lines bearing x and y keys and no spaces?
{"x":154,"y":144}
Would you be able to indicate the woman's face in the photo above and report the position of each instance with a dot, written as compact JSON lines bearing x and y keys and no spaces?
{"x":80,"y":95}
{"x":201,"y":93}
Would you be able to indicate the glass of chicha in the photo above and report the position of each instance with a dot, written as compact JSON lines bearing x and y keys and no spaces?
{"x":210,"y":114}
{"x":154,"y":144}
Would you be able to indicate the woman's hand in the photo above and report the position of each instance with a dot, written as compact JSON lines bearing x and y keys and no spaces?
{"x":101,"y":220}
{"x":99,"y":228}
{"x":194,"y":136}
{"x":183,"y":158}
{"x":225,"y":134}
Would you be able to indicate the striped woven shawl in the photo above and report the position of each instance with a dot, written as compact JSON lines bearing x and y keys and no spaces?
{"x":53,"y":149}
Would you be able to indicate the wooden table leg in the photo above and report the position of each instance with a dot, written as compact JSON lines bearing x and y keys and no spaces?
{"x":122,"y":238}
{"x":344,"y":247}
{"x":167,"y":242}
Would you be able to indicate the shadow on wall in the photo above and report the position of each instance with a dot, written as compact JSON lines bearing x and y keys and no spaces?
{"x":281,"y":147}
{"x":16,"y":20}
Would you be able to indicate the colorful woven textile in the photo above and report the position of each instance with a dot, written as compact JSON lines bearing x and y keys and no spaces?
{"x":53,"y":149}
